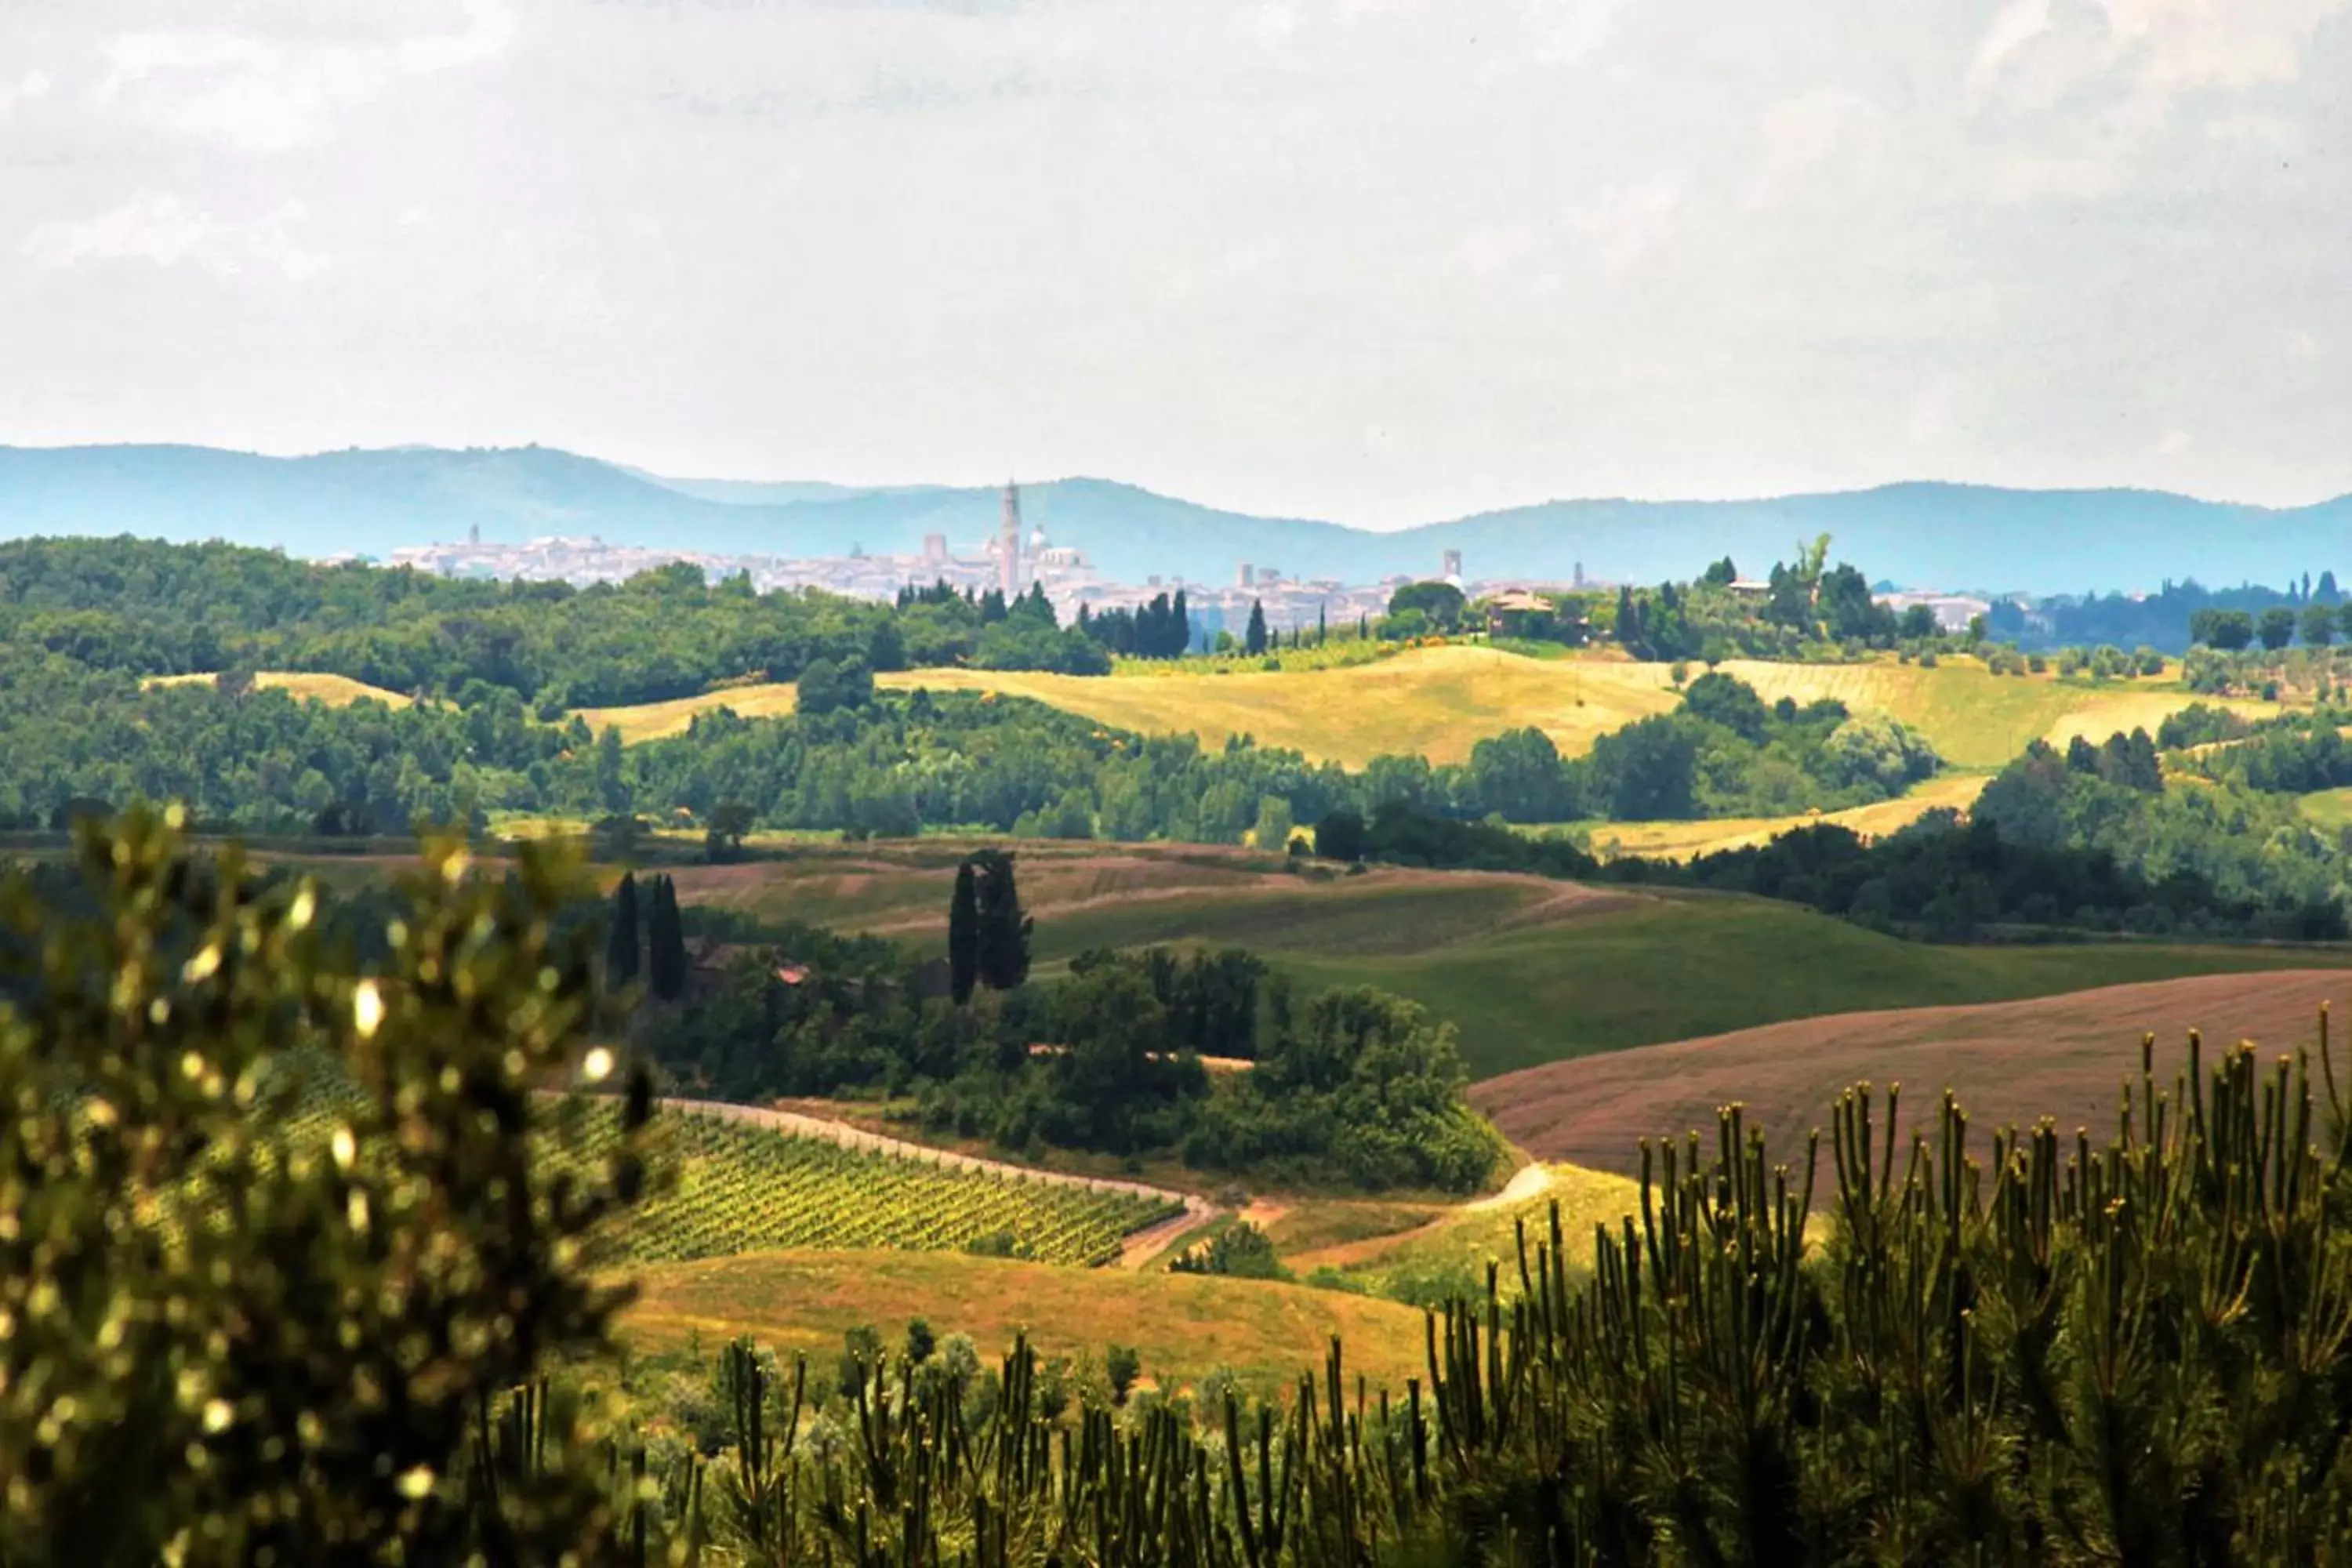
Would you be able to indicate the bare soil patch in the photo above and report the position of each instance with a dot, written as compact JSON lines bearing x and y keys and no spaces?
{"x":2009,"y":1063}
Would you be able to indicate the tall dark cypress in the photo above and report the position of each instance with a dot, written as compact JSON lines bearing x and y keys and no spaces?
{"x":1004,"y":929}
{"x":624,"y":947}
{"x":1180,"y":626}
{"x":963,"y":935}
{"x":1254,"y":641}
{"x":666,"y":943}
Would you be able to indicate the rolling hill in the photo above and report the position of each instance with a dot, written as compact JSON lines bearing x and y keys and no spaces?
{"x":2063,"y":1056}
{"x":1440,"y":702}
{"x":1530,"y":970}
{"x":1933,"y":534}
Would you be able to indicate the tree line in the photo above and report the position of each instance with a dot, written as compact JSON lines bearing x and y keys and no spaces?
{"x":855,"y":759}
{"x":2090,"y":838}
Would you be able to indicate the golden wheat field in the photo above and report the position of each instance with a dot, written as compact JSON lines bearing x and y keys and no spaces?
{"x":1686,"y":840}
{"x":334,"y":691}
{"x":1439,"y":702}
{"x":1184,"y":1326}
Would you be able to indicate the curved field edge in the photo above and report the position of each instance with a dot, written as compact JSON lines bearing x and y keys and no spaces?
{"x":2067,"y":1057}
{"x":1463,"y":1242}
{"x":1439,"y":702}
{"x":1184,"y":1326}
{"x":1687,"y":840}
{"x":1529,"y":970}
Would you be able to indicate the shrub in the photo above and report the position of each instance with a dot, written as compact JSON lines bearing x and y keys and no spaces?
{"x":1240,"y":1250}
{"x":238,"y":1324}
{"x":1123,"y":1366}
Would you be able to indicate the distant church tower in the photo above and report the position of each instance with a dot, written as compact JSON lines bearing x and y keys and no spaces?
{"x":1008,"y":544}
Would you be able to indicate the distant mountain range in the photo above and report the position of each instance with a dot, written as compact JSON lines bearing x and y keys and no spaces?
{"x":1923,"y":535}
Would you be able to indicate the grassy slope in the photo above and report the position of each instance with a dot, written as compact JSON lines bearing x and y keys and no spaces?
{"x":1184,"y":1326}
{"x":1683,"y":840}
{"x":657,"y":720}
{"x":2064,"y":1056}
{"x":1463,"y":1241}
{"x":1530,"y":970}
{"x":1440,"y":701}
{"x":2329,"y":809}
{"x":334,"y":691}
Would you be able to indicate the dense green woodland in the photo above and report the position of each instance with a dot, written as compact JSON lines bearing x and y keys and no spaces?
{"x":149,"y":608}
{"x":881,"y":763}
{"x":222,"y":1345}
{"x":2234,"y":853}
{"x":2093,"y":838}
{"x":87,"y":618}
{"x":1349,"y":1088}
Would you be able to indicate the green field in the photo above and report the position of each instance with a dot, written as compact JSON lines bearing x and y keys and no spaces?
{"x":2330,"y":808}
{"x":1530,"y":970}
{"x":1448,"y":1251}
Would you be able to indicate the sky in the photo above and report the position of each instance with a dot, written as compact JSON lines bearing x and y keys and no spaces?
{"x":1380,"y":261}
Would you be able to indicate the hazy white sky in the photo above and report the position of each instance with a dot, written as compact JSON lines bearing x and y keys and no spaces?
{"x":1378,"y":260}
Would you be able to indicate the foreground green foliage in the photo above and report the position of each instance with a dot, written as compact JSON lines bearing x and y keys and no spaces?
{"x":2046,"y":1351}
{"x":2134,"y":1349}
{"x":222,"y":1341}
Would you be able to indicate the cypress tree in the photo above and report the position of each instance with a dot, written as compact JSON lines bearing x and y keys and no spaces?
{"x":623,"y":949}
{"x":1254,"y":642}
{"x":1003,"y":930}
{"x":666,"y":942}
{"x":1322,"y":625}
{"x":1180,"y":627}
{"x":963,"y":935}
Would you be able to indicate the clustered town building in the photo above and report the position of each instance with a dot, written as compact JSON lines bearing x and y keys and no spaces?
{"x":1017,"y":557}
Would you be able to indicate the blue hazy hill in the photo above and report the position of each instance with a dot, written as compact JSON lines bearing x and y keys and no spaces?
{"x":1939,"y":535}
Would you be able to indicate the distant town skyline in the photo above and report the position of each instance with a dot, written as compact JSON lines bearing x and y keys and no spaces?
{"x":1376,"y":261}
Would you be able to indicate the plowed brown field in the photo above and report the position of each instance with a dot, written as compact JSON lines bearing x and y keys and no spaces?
{"x":2009,"y":1062}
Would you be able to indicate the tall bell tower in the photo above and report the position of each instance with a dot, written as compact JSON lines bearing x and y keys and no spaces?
{"x":1008,"y":544}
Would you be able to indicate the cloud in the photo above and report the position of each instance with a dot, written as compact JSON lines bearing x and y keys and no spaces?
{"x":2016,"y":24}
{"x":1569,"y":30}
{"x":2174,"y":443}
{"x":1626,"y":222}
{"x":257,"y":94}
{"x":32,"y":85}
{"x":1804,"y":133}
{"x":2151,"y":50}
{"x":2181,"y":44}
{"x":169,"y":232}
{"x":1273,"y":25}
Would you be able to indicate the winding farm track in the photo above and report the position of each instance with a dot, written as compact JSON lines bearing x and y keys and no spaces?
{"x":1138,"y":1247}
